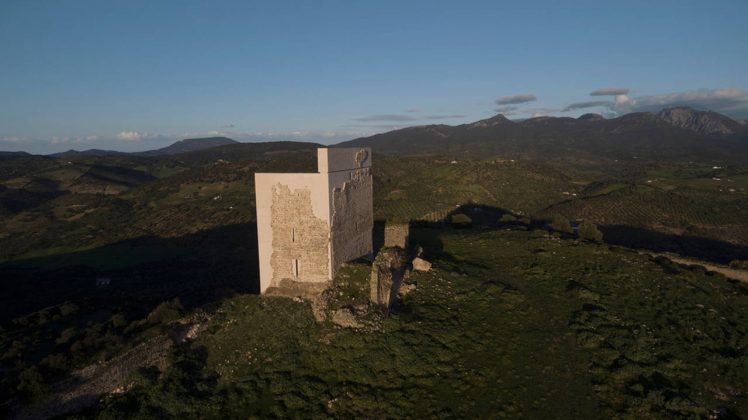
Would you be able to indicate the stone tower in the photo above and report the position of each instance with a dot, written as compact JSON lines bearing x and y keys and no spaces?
{"x":310,"y":223}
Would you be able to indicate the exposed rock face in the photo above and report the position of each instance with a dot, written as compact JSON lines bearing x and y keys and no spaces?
{"x":85,"y":386}
{"x":704,"y":122}
{"x":419,"y":264}
{"x":344,"y":318}
{"x":405,"y":289}
{"x":386,"y":276}
{"x":490,"y":122}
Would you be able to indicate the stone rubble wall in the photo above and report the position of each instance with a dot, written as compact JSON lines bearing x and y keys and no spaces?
{"x":396,"y":234}
{"x":298,"y":234}
{"x":387,"y":274}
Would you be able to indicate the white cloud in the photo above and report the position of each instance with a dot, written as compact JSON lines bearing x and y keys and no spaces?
{"x":720,"y":100}
{"x":73,"y":139}
{"x":731,"y":101}
{"x":129,"y":135}
{"x":506,"y":110}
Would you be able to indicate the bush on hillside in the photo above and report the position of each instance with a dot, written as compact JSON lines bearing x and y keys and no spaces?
{"x":460,"y":221}
{"x":590,"y":232}
{"x":561,"y":224}
{"x":739,"y":264}
{"x":507,"y":218}
{"x":166,"y":312}
{"x":31,"y":386}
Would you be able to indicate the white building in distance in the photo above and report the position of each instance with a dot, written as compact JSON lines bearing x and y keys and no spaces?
{"x":310,"y":223}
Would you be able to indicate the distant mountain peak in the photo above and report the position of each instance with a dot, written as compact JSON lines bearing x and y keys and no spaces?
{"x":87,"y":152}
{"x":703,"y":122}
{"x":591,"y":117}
{"x":190,"y":145}
{"x":490,"y":122}
{"x":206,"y":140}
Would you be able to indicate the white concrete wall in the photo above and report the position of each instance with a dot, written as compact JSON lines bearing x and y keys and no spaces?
{"x":344,"y":173}
{"x":343,"y":158}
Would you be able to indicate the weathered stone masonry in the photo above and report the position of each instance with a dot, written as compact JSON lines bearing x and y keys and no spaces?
{"x":310,"y":223}
{"x":300,"y":240}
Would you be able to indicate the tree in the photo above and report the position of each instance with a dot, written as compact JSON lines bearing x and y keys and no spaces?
{"x":739,"y":264}
{"x":590,"y":232}
{"x":561,"y":224}
{"x":460,"y":220}
{"x":31,"y":387}
{"x":507,"y":218}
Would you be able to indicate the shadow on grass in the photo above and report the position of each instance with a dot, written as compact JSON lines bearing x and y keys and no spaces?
{"x":690,"y":246}
{"x":193,"y":267}
{"x":489,"y":217}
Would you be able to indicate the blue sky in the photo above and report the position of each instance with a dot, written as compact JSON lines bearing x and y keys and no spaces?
{"x":134,"y":75}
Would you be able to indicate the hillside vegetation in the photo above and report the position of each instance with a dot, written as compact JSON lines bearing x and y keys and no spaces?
{"x":100,"y":254}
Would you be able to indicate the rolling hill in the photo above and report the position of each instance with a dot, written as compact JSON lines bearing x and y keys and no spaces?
{"x":175,"y":235}
{"x":181,"y":146}
{"x":189,"y":145}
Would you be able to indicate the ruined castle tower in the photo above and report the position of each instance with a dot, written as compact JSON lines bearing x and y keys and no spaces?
{"x":310,"y":223}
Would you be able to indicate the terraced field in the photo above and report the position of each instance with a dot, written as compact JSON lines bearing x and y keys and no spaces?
{"x":408,"y":188}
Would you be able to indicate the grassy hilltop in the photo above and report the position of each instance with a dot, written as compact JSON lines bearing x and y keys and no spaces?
{"x":512,"y":320}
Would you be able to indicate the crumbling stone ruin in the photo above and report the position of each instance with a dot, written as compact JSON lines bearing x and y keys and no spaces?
{"x":387,"y":274}
{"x":396,"y":234}
{"x":308,"y":224}
{"x":387,"y":286}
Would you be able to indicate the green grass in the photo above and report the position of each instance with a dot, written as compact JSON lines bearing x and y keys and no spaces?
{"x":508,"y":324}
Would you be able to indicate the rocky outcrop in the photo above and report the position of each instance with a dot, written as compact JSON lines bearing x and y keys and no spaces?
{"x":387,"y":273}
{"x":86,"y":386}
{"x":419,"y":264}
{"x":344,"y":318}
{"x":703,"y":122}
{"x":405,"y":289}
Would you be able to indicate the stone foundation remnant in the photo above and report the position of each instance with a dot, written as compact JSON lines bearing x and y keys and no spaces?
{"x":308,"y":224}
{"x":396,"y":234}
{"x":387,"y":274}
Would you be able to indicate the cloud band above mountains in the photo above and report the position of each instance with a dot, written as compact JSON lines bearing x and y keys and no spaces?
{"x":609,"y":91}
{"x":516,"y":99}
{"x":730,"y":101}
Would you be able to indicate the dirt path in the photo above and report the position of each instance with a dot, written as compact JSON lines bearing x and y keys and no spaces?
{"x":733,"y":273}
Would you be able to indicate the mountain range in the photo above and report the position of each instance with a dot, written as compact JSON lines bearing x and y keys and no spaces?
{"x":673,"y":133}
{"x":181,"y":146}
{"x":677,"y":133}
